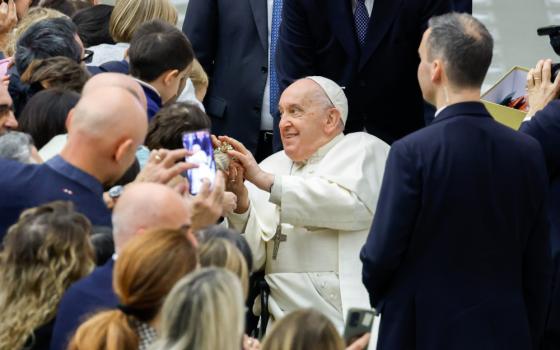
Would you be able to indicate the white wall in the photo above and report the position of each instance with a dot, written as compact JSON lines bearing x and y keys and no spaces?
{"x":513,"y":24}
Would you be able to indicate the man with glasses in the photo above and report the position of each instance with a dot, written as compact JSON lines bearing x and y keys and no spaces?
{"x":306,"y":211}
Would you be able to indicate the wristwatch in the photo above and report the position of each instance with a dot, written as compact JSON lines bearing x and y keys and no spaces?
{"x":115,"y":191}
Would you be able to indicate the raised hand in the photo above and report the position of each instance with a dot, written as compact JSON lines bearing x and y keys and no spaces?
{"x":540,"y":89}
{"x":164,"y":165}
{"x":207,"y":205}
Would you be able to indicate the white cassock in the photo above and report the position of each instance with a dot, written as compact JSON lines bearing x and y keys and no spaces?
{"x":325,"y":206}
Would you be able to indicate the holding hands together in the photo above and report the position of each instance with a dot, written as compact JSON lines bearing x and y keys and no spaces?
{"x":252,"y":172}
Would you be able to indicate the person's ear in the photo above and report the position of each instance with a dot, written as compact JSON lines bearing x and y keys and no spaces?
{"x":69,"y":118}
{"x":437,"y":71}
{"x":123,"y":150}
{"x":169,"y":76}
{"x":333,"y":120}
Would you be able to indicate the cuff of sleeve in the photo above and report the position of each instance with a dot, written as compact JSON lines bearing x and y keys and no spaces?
{"x":239,"y":220}
{"x":276,"y":191}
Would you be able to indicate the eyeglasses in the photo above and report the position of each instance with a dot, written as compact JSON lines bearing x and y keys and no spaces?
{"x":88,"y":56}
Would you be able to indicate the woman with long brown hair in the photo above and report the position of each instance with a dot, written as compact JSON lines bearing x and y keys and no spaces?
{"x":44,"y":252}
{"x":145,"y":271}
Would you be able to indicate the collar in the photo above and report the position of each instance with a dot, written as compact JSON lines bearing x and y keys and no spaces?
{"x":322,"y":151}
{"x":474,"y":109}
{"x":439,"y":111}
{"x":67,"y":170}
{"x":148,"y":86}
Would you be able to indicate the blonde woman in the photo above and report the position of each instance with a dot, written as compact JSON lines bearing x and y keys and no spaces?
{"x":126,"y":17}
{"x":307,"y":329}
{"x":204,"y":311}
{"x":44,"y":252}
{"x":220,"y":252}
{"x":145,"y":271}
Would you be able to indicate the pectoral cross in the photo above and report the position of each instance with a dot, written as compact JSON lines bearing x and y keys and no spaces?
{"x":279,"y":237}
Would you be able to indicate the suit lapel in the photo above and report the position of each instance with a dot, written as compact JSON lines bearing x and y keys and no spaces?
{"x":342,"y":25}
{"x":383,"y":15}
{"x":260,"y":15}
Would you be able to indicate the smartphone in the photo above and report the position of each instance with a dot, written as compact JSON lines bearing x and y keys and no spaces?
{"x":200,"y":144}
{"x":358,"y":323}
{"x":4,"y":66}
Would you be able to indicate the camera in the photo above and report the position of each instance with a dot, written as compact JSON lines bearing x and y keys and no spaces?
{"x":553,"y":33}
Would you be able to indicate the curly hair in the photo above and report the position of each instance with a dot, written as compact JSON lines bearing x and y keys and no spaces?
{"x":44,"y":252}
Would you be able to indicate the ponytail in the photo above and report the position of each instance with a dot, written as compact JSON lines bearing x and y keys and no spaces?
{"x":109,"y":330}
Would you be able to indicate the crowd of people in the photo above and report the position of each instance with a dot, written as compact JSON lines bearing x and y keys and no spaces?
{"x":356,"y":169}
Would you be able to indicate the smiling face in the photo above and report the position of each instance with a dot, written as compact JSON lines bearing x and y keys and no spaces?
{"x":304,"y":125}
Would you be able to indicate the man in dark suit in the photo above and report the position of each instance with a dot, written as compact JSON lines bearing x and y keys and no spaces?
{"x":141,"y":207}
{"x":458,"y":253}
{"x":462,"y":6}
{"x":543,"y":124}
{"x":231,"y":40}
{"x":368,"y":47}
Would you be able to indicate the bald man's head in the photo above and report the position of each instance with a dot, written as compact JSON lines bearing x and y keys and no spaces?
{"x":104,"y":131}
{"x":104,"y":80}
{"x":146,"y":206}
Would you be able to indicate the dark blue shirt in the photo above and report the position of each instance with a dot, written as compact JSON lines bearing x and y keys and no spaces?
{"x":153,"y":98}
{"x":24,"y":186}
{"x":85,"y":297}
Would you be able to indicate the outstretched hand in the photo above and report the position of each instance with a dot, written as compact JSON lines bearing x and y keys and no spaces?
{"x":163,"y":165}
{"x":540,"y":89}
{"x":253,"y":173}
{"x":208,"y":204}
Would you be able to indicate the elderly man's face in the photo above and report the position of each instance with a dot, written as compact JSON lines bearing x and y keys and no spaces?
{"x":302,"y":126}
{"x":7,"y":119}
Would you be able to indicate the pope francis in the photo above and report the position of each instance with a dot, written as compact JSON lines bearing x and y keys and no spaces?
{"x":306,"y":211}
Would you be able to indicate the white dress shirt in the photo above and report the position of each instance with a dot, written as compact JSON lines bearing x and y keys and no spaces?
{"x":369,"y":6}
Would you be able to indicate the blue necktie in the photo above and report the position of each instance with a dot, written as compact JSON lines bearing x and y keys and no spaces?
{"x":274,"y":31}
{"x":361,"y":20}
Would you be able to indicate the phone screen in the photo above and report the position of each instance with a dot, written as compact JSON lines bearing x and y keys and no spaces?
{"x":200,"y":144}
{"x":358,"y":322}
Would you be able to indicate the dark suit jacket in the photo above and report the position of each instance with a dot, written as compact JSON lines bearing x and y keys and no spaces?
{"x":317,"y":37}
{"x":458,"y":254}
{"x":83,"y":298}
{"x":230,"y":39}
{"x":462,"y":6}
{"x":545,"y":128}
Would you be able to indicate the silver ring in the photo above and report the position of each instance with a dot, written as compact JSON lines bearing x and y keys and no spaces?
{"x":158,"y":158}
